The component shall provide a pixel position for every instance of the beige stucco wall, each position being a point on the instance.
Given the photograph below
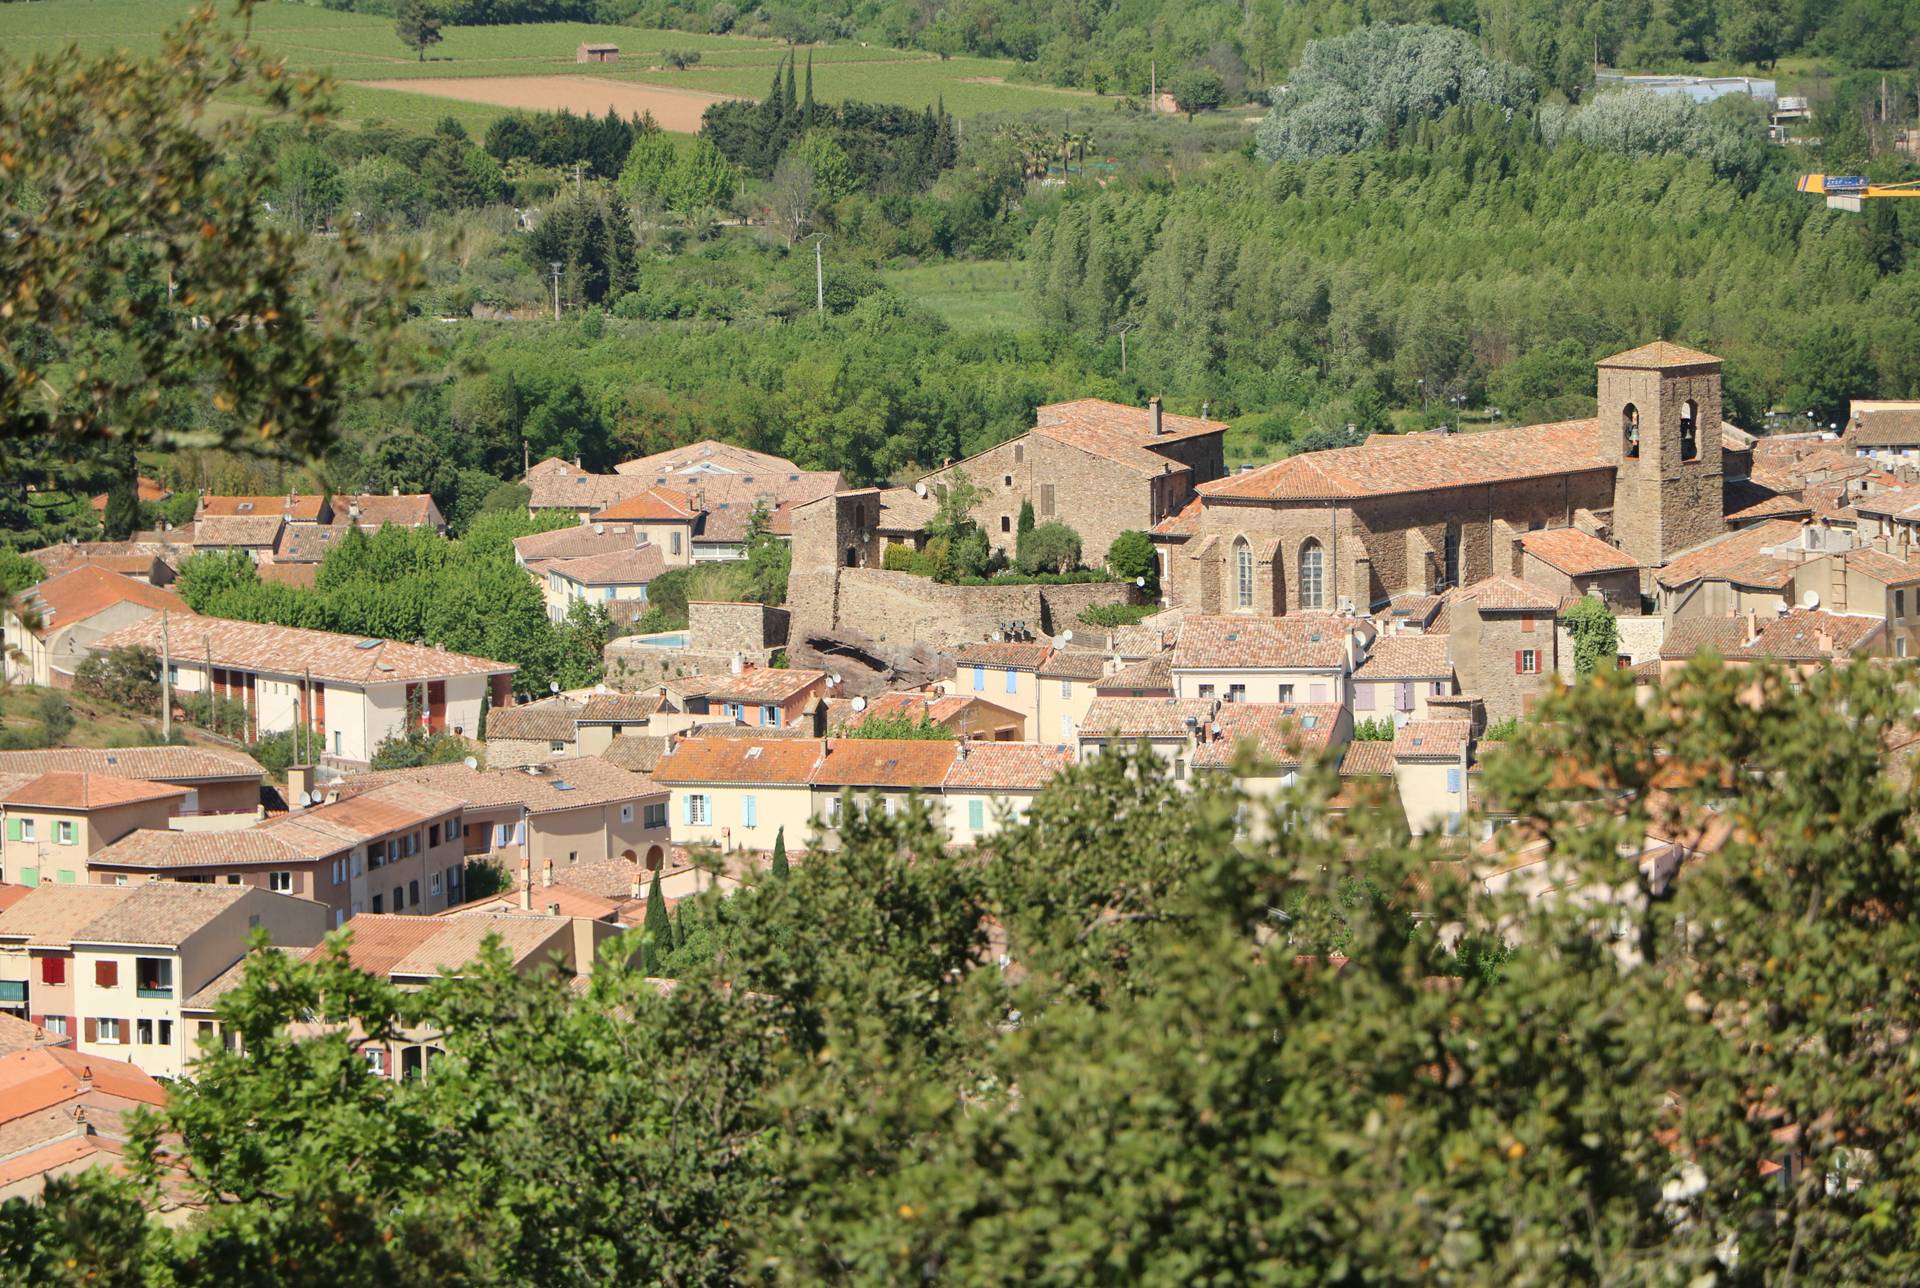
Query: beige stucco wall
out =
(1264, 685)
(44, 860)
(1062, 703)
(1424, 796)
(997, 809)
(776, 805)
(1023, 697)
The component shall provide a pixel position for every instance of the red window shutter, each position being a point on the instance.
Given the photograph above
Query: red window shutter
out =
(93, 1029)
(106, 974)
(1517, 655)
(38, 1021)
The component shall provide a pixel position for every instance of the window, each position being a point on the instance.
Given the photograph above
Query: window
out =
(1013, 682)
(1362, 696)
(455, 829)
(1900, 646)
(609, 593)
(153, 976)
(673, 542)
(653, 816)
(1006, 523)
(143, 1032)
(1242, 574)
(1046, 500)
(626, 813)
(53, 970)
(979, 678)
(1526, 661)
(433, 836)
(556, 745)
(107, 1031)
(1066, 688)
(173, 675)
(413, 893)
(1206, 691)
(376, 855)
(377, 1060)
(1689, 433)
(339, 918)
(833, 811)
(106, 974)
(749, 811)
(26, 829)
(1453, 780)
(1899, 603)
(166, 1032)
(56, 1026)
(500, 834)
(399, 899)
(1312, 575)
(770, 716)
(1019, 453)
(699, 810)
(377, 906)
(1006, 480)
(1236, 693)
(1630, 431)
(976, 815)
(280, 882)
(1451, 554)
(63, 832)
(339, 742)
(412, 844)
(356, 865)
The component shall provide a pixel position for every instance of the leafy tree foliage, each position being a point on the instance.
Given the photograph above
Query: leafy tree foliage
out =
(913, 728)
(1198, 89)
(1132, 556)
(1367, 88)
(126, 677)
(1596, 635)
(1373, 729)
(418, 26)
(1053, 546)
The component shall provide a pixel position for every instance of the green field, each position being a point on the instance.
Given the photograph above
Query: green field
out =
(972, 296)
(356, 47)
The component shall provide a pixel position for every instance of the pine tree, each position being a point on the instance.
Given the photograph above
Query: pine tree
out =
(806, 104)
(1026, 517)
(780, 855)
(659, 929)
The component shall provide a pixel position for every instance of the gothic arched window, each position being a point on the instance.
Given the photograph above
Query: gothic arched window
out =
(1689, 434)
(1313, 568)
(1242, 574)
(1630, 431)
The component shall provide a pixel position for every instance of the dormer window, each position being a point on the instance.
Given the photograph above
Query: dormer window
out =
(1689, 435)
(1630, 431)
(245, 507)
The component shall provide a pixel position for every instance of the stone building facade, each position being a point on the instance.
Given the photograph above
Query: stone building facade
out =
(1418, 513)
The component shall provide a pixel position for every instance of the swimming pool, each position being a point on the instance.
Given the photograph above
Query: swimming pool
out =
(675, 639)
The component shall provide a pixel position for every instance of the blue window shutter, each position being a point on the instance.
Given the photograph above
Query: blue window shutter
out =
(1013, 681)
(1453, 780)
(686, 809)
(749, 815)
(976, 815)
(979, 678)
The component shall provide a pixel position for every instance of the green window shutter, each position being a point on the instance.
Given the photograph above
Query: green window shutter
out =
(29, 876)
(976, 814)
(66, 876)
(13, 829)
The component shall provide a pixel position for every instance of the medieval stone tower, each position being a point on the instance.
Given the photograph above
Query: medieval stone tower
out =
(1659, 424)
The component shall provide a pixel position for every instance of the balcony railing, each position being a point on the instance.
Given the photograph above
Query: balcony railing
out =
(154, 990)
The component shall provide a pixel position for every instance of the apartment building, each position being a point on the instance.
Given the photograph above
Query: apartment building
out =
(397, 847)
(120, 961)
(57, 821)
(1305, 657)
(760, 697)
(1400, 674)
(355, 691)
(47, 631)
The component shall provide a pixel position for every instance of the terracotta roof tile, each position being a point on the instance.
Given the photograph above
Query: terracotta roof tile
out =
(49, 917)
(380, 940)
(1407, 657)
(1658, 356)
(573, 489)
(1007, 766)
(23, 1035)
(1688, 635)
(1737, 548)
(1812, 636)
(884, 762)
(262, 532)
(305, 576)
(638, 753)
(1119, 433)
(1888, 428)
(158, 849)
(308, 543)
(1149, 676)
(162, 913)
(619, 708)
(655, 505)
(1005, 655)
(1144, 717)
(64, 789)
(1302, 640)
(155, 764)
(1366, 759)
(546, 720)
(1882, 567)
(564, 785)
(738, 760)
(703, 458)
(1576, 553)
(1419, 463)
(292, 650)
(89, 589)
(1431, 740)
(377, 509)
(752, 685)
(305, 508)
(523, 935)
(147, 491)
(1074, 664)
(1281, 733)
(615, 568)
(579, 541)
(1182, 523)
(35, 1080)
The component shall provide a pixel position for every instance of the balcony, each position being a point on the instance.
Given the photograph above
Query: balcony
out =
(164, 991)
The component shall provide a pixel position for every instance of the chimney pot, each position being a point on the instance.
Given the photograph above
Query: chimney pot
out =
(546, 873)
(1159, 421)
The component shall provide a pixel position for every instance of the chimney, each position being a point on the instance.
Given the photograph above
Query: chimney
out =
(553, 910)
(576, 462)
(526, 884)
(1823, 640)
(546, 873)
(1753, 626)
(633, 887)
(353, 511)
(299, 787)
(1159, 422)
(395, 492)
(737, 663)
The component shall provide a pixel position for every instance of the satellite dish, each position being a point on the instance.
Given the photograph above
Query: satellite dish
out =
(1810, 600)
(919, 489)
(1141, 582)
(1066, 637)
(306, 799)
(859, 704)
(471, 763)
(553, 686)
(599, 688)
(837, 679)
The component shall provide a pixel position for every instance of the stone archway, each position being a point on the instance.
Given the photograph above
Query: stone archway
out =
(655, 857)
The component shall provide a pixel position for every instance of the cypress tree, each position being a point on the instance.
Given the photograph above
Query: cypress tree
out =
(789, 102)
(659, 930)
(1026, 517)
(780, 854)
(806, 104)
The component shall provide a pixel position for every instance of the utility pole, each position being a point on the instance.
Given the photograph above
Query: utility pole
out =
(555, 266)
(1153, 85)
(819, 280)
(1123, 328)
(166, 683)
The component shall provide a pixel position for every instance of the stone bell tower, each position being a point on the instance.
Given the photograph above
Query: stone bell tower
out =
(1659, 425)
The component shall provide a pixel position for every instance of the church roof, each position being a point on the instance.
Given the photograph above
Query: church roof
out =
(1658, 355)
(1418, 463)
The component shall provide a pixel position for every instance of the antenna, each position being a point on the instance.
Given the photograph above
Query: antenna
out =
(471, 763)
